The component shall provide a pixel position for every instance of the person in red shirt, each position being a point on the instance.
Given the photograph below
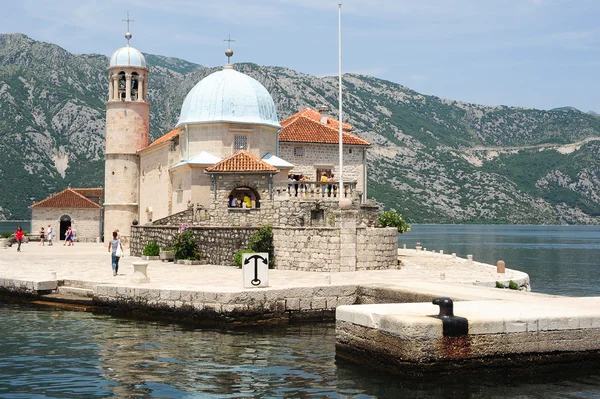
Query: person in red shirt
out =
(19, 236)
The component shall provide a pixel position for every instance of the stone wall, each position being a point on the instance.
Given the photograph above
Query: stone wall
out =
(217, 245)
(311, 249)
(334, 249)
(376, 248)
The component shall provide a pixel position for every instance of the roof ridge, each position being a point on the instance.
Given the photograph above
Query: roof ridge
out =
(241, 153)
(81, 195)
(295, 116)
(62, 192)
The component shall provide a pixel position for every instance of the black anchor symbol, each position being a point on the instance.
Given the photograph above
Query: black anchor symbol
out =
(255, 281)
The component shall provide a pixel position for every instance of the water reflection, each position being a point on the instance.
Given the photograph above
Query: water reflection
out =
(60, 354)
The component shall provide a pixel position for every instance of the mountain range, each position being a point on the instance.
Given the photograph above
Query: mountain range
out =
(434, 160)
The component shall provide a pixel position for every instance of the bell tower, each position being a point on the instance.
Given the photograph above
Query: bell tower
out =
(127, 132)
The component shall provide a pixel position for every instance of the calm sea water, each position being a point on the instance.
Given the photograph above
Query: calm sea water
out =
(60, 354)
(561, 260)
(10, 226)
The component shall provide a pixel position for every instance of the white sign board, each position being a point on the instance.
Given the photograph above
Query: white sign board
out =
(256, 270)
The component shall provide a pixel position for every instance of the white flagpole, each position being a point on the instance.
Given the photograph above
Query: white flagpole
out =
(341, 145)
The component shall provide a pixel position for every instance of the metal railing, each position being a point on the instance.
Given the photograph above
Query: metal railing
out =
(312, 190)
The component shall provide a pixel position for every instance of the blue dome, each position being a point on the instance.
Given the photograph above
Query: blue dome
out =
(229, 96)
(129, 57)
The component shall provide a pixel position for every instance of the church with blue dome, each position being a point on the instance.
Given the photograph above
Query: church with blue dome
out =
(229, 158)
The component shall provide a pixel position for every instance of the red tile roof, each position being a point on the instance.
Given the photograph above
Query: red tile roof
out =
(306, 130)
(89, 192)
(241, 161)
(163, 138)
(316, 116)
(68, 198)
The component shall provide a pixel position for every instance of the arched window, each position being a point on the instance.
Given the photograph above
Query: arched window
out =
(244, 197)
(122, 86)
(134, 86)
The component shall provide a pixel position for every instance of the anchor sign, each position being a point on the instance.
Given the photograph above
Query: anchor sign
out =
(256, 265)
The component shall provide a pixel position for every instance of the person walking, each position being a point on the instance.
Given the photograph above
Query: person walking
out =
(19, 236)
(112, 247)
(69, 237)
(42, 236)
(50, 234)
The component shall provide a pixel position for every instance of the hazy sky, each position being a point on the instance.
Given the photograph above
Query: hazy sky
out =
(532, 53)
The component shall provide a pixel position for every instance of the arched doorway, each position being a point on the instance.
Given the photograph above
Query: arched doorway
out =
(237, 195)
(65, 222)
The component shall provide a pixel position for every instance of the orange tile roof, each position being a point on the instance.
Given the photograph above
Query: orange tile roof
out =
(163, 138)
(89, 192)
(242, 161)
(67, 198)
(316, 116)
(306, 130)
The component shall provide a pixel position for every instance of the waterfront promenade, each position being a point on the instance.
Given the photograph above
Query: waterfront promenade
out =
(90, 263)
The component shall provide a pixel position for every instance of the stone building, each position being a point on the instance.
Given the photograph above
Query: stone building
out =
(79, 208)
(229, 165)
(228, 152)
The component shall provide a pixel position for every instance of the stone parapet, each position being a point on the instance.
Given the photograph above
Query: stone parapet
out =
(217, 245)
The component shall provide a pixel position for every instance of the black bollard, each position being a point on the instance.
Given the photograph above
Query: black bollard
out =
(453, 326)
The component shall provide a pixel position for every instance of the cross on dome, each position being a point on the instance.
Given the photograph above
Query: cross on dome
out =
(229, 51)
(128, 34)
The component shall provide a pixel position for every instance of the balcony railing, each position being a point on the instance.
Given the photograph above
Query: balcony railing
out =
(312, 190)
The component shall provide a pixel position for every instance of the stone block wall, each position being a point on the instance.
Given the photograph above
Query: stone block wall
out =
(311, 249)
(218, 245)
(376, 248)
(333, 249)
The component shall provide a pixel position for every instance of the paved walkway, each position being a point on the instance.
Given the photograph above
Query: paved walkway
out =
(90, 262)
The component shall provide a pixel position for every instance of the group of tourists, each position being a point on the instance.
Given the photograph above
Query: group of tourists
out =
(296, 183)
(46, 235)
(240, 201)
(49, 235)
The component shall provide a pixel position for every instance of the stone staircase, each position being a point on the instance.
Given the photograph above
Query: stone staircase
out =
(76, 295)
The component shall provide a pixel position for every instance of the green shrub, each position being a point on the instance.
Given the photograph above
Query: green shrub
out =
(512, 285)
(184, 244)
(151, 249)
(262, 241)
(500, 285)
(239, 256)
(393, 219)
(5, 235)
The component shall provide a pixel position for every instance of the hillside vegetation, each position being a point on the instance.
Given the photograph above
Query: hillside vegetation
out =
(433, 160)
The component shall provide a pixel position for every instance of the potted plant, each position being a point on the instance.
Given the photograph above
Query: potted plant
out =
(190, 204)
(166, 254)
(151, 251)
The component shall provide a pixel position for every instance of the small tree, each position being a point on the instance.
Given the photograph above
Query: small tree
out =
(394, 219)
(262, 241)
(184, 244)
